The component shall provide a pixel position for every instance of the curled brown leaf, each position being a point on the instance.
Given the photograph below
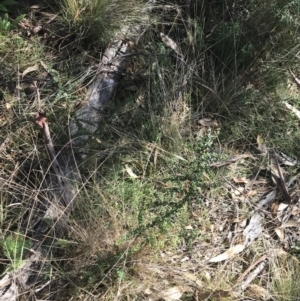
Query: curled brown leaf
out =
(40, 119)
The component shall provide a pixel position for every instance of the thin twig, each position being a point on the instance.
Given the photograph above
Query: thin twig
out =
(281, 183)
(41, 120)
(38, 96)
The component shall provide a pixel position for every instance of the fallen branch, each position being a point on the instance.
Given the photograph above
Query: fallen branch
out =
(254, 264)
(252, 276)
(28, 277)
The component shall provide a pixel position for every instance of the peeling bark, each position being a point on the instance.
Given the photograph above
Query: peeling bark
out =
(86, 120)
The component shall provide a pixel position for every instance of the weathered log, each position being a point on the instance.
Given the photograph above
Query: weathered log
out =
(84, 123)
(86, 119)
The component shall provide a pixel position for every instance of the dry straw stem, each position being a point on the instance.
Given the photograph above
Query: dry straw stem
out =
(284, 269)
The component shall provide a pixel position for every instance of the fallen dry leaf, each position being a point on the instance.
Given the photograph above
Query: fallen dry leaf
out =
(194, 278)
(249, 86)
(261, 144)
(148, 291)
(8, 106)
(243, 223)
(30, 69)
(280, 233)
(45, 66)
(292, 108)
(170, 43)
(238, 191)
(37, 29)
(274, 209)
(229, 253)
(280, 210)
(173, 293)
(285, 159)
(254, 182)
(186, 258)
(208, 122)
(240, 180)
(40, 119)
(279, 252)
(282, 206)
(130, 172)
(251, 193)
(290, 224)
(260, 292)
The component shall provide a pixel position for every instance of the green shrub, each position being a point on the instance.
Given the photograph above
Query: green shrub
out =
(7, 25)
(14, 247)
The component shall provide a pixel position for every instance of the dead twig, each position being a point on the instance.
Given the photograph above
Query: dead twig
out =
(41, 120)
(252, 276)
(255, 263)
(296, 79)
(281, 183)
(231, 160)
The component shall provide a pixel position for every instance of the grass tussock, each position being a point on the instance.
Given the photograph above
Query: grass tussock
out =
(96, 21)
(286, 278)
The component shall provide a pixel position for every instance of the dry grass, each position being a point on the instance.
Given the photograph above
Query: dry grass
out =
(97, 21)
(151, 211)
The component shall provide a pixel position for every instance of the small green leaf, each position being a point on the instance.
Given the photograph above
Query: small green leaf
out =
(17, 20)
(64, 243)
(2, 7)
(14, 247)
(4, 24)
